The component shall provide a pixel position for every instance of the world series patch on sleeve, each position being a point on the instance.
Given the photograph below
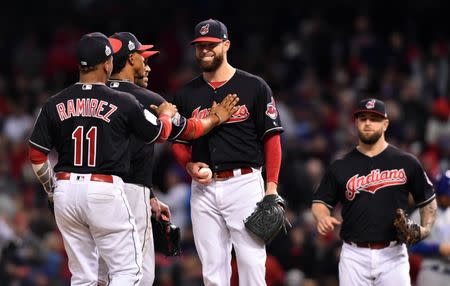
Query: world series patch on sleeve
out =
(166, 236)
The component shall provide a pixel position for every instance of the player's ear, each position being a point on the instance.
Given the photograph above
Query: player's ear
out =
(385, 124)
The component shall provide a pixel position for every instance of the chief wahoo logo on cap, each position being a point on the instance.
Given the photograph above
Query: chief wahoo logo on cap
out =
(370, 104)
(204, 30)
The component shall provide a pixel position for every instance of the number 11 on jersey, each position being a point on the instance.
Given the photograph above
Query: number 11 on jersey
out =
(91, 137)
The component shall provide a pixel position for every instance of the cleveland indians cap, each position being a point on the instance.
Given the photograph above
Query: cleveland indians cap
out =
(210, 31)
(95, 48)
(371, 105)
(130, 44)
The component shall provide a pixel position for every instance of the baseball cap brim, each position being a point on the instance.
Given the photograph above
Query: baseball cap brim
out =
(145, 47)
(115, 44)
(147, 54)
(369, 111)
(206, 39)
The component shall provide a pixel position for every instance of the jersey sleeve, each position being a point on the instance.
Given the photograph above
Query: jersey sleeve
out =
(267, 117)
(179, 123)
(327, 191)
(143, 123)
(41, 138)
(421, 187)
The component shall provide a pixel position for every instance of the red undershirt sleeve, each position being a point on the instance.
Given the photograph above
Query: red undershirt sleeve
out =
(272, 153)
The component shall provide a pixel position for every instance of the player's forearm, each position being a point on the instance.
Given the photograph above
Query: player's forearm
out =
(427, 218)
(196, 128)
(166, 121)
(44, 174)
(272, 155)
(319, 211)
(209, 122)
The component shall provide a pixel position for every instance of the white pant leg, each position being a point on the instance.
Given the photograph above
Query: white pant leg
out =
(392, 265)
(211, 235)
(78, 241)
(382, 267)
(139, 200)
(240, 195)
(114, 230)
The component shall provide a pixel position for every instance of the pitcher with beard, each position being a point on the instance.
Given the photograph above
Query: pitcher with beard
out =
(371, 182)
(236, 152)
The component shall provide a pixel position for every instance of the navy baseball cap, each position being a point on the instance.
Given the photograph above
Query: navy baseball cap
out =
(130, 44)
(210, 31)
(95, 48)
(371, 105)
(443, 184)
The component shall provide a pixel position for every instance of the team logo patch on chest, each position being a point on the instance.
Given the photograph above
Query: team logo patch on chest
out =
(374, 181)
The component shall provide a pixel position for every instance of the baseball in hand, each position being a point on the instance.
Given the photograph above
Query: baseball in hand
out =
(205, 170)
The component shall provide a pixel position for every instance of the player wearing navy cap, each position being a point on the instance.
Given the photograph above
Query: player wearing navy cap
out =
(371, 182)
(235, 152)
(89, 124)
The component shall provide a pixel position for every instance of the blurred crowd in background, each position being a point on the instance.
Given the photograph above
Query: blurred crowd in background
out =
(319, 63)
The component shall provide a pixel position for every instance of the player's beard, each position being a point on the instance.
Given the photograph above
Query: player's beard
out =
(370, 139)
(210, 66)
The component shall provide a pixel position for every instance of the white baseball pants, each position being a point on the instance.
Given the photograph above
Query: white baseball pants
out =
(218, 211)
(95, 219)
(139, 200)
(360, 266)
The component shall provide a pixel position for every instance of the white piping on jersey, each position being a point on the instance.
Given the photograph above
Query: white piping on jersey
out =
(91, 83)
(271, 129)
(182, 141)
(159, 132)
(426, 201)
(322, 202)
(37, 145)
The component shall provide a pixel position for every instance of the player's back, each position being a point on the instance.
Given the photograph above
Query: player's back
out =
(89, 126)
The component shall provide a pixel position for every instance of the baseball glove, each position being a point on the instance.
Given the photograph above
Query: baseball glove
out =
(268, 218)
(408, 231)
(166, 236)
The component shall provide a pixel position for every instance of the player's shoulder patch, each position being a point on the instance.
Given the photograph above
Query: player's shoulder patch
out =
(271, 109)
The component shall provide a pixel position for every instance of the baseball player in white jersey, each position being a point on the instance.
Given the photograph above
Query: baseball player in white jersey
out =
(435, 249)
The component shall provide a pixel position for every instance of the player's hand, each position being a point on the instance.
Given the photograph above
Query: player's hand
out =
(444, 249)
(155, 206)
(193, 170)
(326, 224)
(165, 108)
(226, 108)
(165, 210)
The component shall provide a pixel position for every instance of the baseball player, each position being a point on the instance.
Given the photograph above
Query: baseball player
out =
(89, 125)
(235, 152)
(371, 182)
(131, 67)
(435, 249)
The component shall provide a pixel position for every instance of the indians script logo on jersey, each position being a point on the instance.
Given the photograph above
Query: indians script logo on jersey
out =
(240, 115)
(271, 110)
(204, 29)
(374, 181)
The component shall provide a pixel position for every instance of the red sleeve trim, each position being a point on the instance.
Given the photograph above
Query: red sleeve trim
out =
(167, 127)
(194, 126)
(182, 153)
(272, 153)
(36, 156)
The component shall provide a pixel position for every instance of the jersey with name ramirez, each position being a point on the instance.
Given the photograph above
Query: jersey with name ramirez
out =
(141, 167)
(89, 126)
(239, 141)
(370, 189)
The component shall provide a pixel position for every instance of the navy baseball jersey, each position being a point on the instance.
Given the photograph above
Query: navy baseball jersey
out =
(97, 121)
(141, 167)
(370, 189)
(238, 142)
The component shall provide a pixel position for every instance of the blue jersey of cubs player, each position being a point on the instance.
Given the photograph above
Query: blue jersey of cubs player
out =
(238, 142)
